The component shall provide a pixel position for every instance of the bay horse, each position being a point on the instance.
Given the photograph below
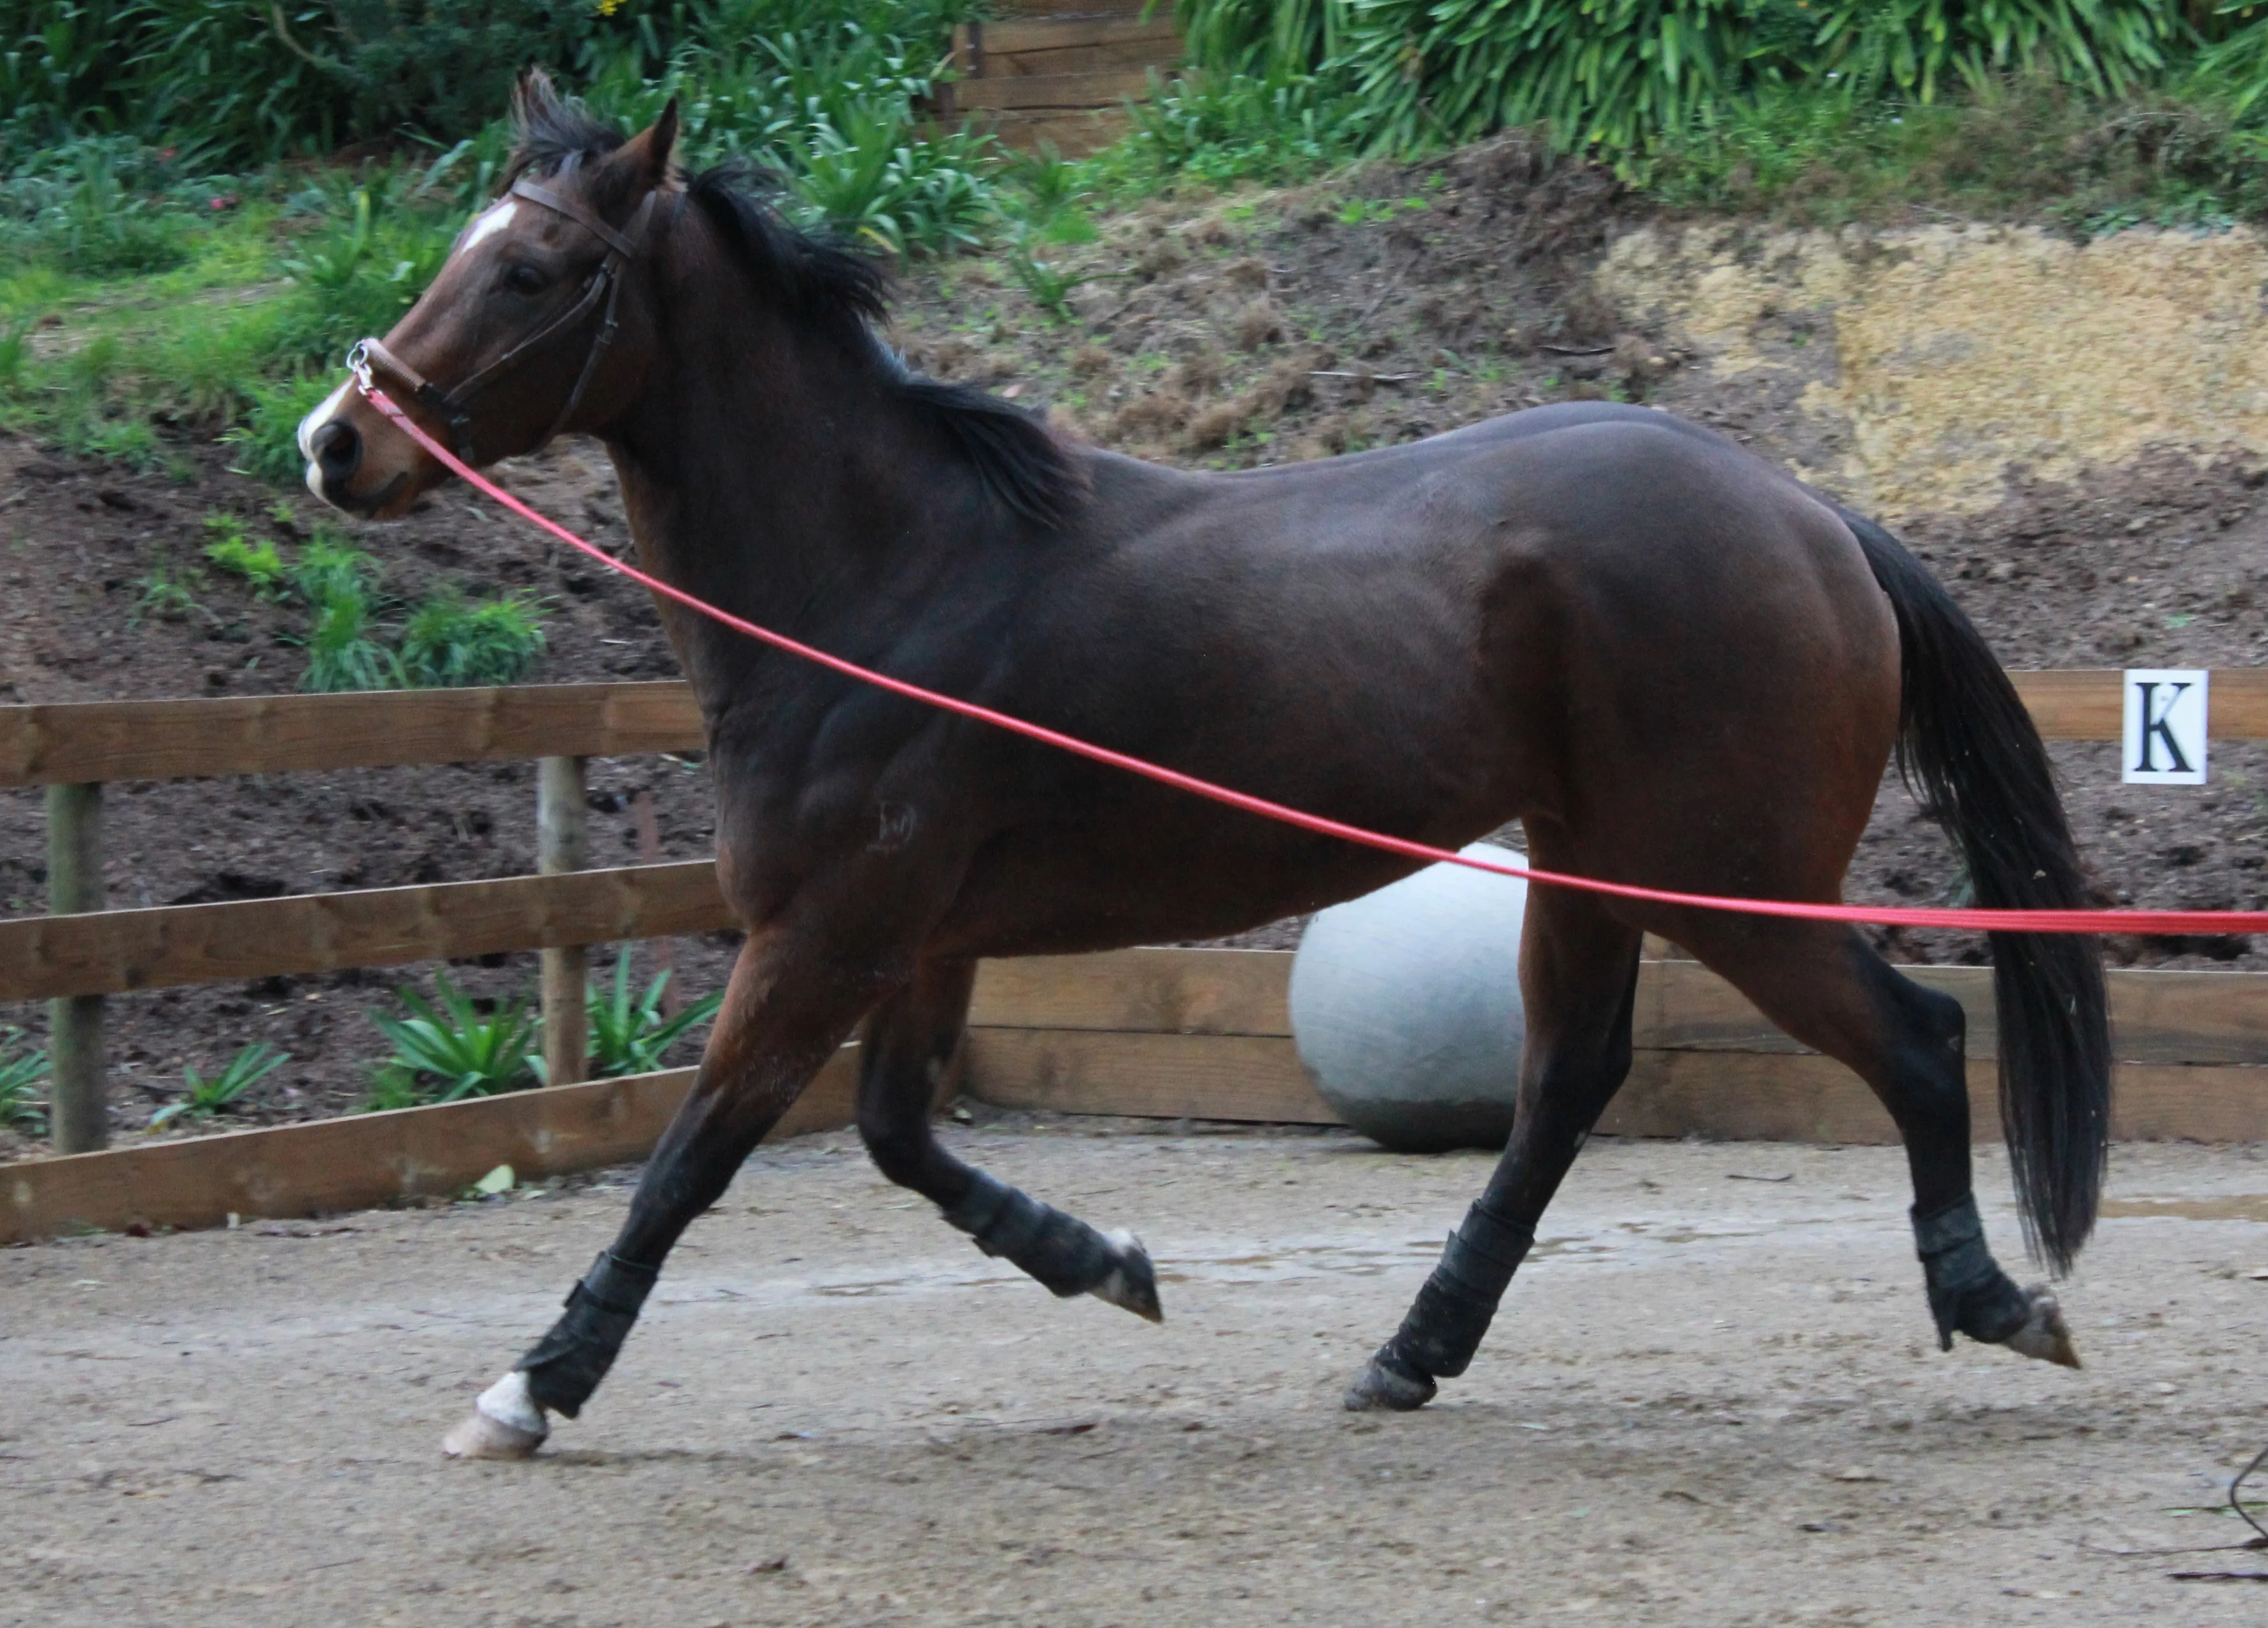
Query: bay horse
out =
(1674, 664)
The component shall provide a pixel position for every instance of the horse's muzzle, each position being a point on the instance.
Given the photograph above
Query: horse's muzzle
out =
(338, 449)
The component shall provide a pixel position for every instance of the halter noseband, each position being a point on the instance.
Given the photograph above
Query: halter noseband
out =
(452, 405)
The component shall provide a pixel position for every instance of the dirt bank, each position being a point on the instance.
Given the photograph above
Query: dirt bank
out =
(1709, 1402)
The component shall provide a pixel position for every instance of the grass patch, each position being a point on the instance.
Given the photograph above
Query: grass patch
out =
(450, 641)
(2031, 148)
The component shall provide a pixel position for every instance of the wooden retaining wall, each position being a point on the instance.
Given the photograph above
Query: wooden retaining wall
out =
(1061, 71)
(1164, 1033)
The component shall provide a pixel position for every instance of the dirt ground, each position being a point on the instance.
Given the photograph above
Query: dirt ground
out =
(1359, 311)
(1713, 1399)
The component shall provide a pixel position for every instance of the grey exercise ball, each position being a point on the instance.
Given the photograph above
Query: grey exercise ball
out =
(1405, 1006)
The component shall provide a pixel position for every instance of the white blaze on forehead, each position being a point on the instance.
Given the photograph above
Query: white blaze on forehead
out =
(496, 220)
(320, 416)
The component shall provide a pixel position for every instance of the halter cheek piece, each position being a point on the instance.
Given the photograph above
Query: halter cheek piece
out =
(453, 406)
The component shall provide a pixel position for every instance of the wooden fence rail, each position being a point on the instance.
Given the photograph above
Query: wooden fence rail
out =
(80, 953)
(87, 742)
(1164, 1033)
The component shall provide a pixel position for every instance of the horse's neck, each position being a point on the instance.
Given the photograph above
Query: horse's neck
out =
(779, 482)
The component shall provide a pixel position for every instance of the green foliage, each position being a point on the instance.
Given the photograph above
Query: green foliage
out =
(1618, 75)
(1216, 128)
(340, 653)
(257, 562)
(204, 1097)
(2236, 67)
(864, 177)
(445, 1053)
(450, 641)
(330, 569)
(163, 597)
(1921, 47)
(827, 95)
(340, 583)
(1050, 285)
(628, 1033)
(21, 1104)
(2030, 148)
(267, 440)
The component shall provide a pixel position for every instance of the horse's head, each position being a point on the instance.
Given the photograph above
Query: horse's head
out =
(534, 326)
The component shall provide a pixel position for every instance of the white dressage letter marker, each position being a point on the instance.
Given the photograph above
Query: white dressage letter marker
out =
(2165, 726)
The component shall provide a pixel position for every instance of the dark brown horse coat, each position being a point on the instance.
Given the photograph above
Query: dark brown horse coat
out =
(1675, 664)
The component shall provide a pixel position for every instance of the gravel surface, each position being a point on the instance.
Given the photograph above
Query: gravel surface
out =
(1710, 1401)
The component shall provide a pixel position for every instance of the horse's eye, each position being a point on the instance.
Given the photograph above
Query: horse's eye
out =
(524, 279)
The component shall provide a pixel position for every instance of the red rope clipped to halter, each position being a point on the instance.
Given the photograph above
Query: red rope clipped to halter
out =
(1979, 920)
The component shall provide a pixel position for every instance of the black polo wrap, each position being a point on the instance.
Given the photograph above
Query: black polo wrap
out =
(1454, 1309)
(1969, 1293)
(566, 1364)
(1061, 1251)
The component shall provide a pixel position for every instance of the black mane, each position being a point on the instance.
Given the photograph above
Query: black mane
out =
(826, 286)
(552, 134)
(843, 293)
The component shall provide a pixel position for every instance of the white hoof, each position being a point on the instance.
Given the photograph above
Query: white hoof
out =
(506, 1423)
(2044, 1333)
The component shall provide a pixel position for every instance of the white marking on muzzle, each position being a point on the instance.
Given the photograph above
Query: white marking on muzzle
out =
(316, 420)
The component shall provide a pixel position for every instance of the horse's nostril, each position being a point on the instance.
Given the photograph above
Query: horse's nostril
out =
(338, 450)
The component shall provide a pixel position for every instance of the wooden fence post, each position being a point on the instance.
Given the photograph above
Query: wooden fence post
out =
(563, 845)
(78, 1102)
(663, 951)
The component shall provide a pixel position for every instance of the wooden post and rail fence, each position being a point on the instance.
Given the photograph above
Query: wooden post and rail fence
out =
(1199, 1033)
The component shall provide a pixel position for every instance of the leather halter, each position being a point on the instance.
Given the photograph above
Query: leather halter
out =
(452, 405)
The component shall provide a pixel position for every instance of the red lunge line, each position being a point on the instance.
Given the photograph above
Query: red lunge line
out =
(1988, 921)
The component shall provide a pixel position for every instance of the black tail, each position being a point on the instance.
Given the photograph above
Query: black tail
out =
(1970, 755)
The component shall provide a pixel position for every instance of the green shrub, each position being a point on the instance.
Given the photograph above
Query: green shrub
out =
(450, 641)
(628, 1034)
(203, 1098)
(1616, 75)
(1219, 128)
(455, 1050)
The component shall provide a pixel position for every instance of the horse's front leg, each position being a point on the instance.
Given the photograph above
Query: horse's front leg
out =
(792, 998)
(907, 1051)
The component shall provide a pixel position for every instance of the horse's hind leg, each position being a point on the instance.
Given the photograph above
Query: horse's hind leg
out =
(1578, 977)
(1825, 985)
(788, 1006)
(907, 1050)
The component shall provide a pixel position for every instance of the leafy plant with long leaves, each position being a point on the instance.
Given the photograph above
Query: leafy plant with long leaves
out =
(203, 1097)
(449, 1049)
(21, 1104)
(630, 1032)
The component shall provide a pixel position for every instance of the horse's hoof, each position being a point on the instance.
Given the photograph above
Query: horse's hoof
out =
(2044, 1333)
(506, 1423)
(1132, 1283)
(1392, 1389)
(478, 1436)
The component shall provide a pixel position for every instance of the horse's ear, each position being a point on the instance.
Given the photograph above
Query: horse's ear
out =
(640, 165)
(659, 143)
